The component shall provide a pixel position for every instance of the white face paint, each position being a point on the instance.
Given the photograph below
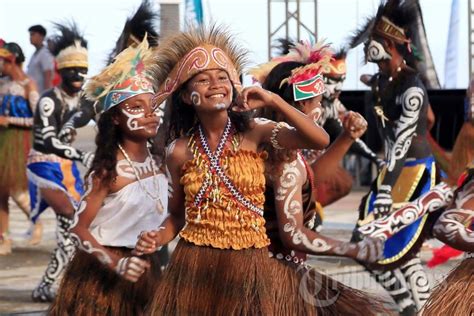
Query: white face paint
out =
(316, 114)
(220, 106)
(376, 52)
(132, 116)
(195, 98)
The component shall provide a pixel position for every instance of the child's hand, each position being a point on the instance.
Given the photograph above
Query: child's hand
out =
(131, 268)
(148, 242)
(252, 98)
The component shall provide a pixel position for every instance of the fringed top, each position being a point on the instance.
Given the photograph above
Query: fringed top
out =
(221, 221)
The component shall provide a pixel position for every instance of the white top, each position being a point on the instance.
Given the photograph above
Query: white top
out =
(129, 211)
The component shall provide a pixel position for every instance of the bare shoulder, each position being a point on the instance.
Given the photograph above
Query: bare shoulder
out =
(177, 152)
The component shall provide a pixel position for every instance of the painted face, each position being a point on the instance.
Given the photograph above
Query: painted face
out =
(137, 116)
(209, 90)
(375, 52)
(333, 86)
(313, 108)
(73, 78)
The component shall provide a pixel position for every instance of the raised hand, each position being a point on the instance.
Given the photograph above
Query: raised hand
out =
(354, 124)
(252, 98)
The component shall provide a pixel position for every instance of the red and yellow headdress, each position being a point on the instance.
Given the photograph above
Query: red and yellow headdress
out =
(182, 56)
(307, 80)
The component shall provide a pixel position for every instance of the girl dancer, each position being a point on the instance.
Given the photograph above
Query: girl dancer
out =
(220, 265)
(290, 195)
(126, 194)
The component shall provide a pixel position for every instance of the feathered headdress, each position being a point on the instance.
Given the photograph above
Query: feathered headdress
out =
(69, 47)
(141, 23)
(393, 21)
(307, 80)
(182, 56)
(126, 77)
(337, 66)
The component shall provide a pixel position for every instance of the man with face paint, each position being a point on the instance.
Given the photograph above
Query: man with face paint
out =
(134, 30)
(401, 109)
(54, 178)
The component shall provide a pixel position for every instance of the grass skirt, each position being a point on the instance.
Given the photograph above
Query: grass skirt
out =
(317, 293)
(15, 144)
(90, 288)
(455, 295)
(202, 280)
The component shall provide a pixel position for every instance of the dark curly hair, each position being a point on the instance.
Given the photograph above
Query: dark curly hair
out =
(273, 83)
(108, 137)
(184, 120)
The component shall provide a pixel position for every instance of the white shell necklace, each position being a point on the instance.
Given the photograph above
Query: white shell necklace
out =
(159, 204)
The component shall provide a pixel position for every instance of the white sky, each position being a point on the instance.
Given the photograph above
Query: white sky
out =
(102, 21)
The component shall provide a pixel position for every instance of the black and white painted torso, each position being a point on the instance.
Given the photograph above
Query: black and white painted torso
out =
(401, 111)
(54, 108)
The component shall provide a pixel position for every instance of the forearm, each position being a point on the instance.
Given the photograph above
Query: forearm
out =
(332, 157)
(385, 227)
(170, 228)
(360, 148)
(55, 146)
(86, 242)
(452, 229)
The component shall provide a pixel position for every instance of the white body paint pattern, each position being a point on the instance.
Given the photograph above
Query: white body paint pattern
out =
(417, 279)
(316, 114)
(68, 151)
(85, 245)
(286, 191)
(383, 228)
(132, 122)
(262, 121)
(411, 101)
(195, 98)
(124, 169)
(376, 52)
(452, 225)
(46, 107)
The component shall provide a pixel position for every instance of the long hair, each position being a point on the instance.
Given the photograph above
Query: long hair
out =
(184, 120)
(108, 137)
(285, 91)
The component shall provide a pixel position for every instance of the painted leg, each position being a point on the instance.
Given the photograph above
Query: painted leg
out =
(59, 259)
(417, 280)
(395, 286)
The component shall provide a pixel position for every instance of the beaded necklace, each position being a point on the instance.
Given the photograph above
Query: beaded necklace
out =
(159, 204)
(215, 176)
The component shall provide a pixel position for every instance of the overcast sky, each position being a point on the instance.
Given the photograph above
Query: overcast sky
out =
(102, 21)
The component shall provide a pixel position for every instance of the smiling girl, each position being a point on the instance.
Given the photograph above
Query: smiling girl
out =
(217, 178)
(126, 194)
